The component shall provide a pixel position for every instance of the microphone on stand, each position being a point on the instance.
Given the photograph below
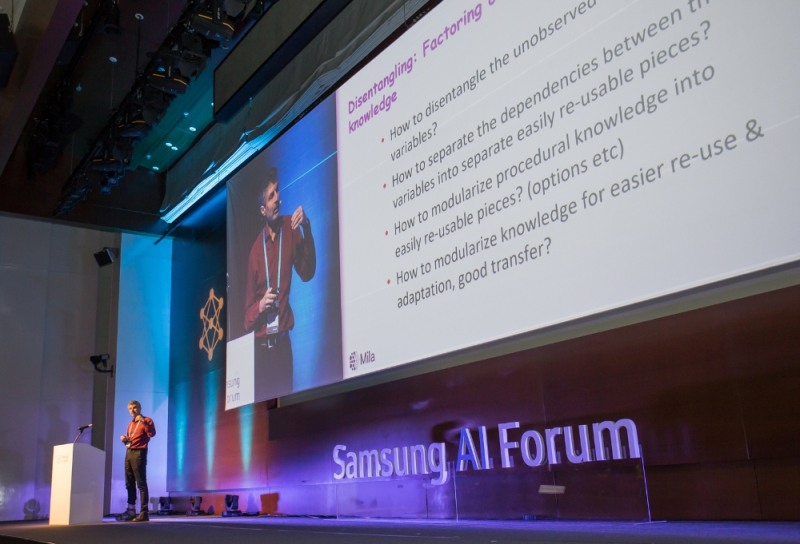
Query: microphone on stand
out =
(80, 431)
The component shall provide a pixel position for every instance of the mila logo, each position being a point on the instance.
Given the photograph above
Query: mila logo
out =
(353, 360)
(366, 358)
(357, 359)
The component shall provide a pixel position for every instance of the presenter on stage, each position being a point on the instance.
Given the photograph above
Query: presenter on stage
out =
(140, 430)
(284, 243)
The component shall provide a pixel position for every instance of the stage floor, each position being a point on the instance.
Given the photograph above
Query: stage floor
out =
(292, 530)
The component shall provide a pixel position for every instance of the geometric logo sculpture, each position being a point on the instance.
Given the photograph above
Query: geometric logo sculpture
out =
(212, 330)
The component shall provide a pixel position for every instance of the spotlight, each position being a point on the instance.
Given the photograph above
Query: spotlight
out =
(133, 125)
(107, 164)
(194, 51)
(110, 179)
(231, 506)
(169, 81)
(114, 158)
(152, 102)
(196, 501)
(165, 506)
(111, 13)
(166, 76)
(213, 22)
(105, 257)
(101, 361)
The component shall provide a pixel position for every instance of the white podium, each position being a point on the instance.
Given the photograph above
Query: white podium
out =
(76, 492)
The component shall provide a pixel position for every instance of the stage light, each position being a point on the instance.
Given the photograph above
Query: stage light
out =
(196, 501)
(231, 506)
(133, 125)
(111, 14)
(115, 156)
(99, 359)
(194, 52)
(100, 363)
(165, 506)
(152, 102)
(109, 180)
(213, 23)
(167, 77)
(106, 164)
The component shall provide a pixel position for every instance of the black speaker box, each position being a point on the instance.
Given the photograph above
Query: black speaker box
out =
(8, 50)
(105, 256)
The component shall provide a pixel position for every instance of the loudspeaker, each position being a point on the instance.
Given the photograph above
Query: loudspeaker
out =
(8, 50)
(105, 256)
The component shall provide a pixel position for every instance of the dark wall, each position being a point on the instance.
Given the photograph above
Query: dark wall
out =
(713, 394)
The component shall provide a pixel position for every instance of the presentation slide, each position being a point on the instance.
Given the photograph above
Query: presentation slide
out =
(510, 165)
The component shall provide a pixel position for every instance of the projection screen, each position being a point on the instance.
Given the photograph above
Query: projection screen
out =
(510, 165)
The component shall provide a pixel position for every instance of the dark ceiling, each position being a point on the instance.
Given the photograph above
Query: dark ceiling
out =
(104, 96)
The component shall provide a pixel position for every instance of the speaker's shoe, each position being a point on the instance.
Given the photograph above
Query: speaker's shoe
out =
(143, 516)
(127, 515)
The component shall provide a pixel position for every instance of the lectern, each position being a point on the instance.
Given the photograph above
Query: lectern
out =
(76, 492)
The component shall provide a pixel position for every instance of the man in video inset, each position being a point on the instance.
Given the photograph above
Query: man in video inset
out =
(285, 242)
